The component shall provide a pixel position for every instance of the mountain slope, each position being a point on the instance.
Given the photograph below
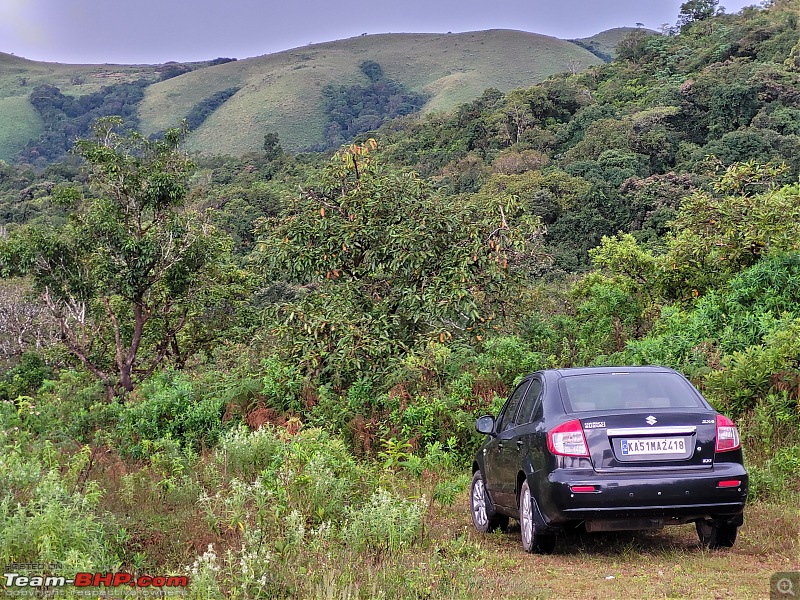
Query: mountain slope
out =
(19, 121)
(281, 92)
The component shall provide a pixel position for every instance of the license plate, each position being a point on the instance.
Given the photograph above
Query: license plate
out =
(653, 446)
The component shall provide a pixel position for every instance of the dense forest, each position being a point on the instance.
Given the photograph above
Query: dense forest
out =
(279, 358)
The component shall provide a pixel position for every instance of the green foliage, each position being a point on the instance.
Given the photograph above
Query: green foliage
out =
(44, 515)
(509, 358)
(25, 377)
(374, 283)
(244, 454)
(123, 271)
(777, 479)
(696, 10)
(169, 405)
(203, 109)
(73, 407)
(67, 118)
(379, 310)
(384, 524)
(357, 109)
(738, 341)
(717, 235)
(172, 69)
(272, 146)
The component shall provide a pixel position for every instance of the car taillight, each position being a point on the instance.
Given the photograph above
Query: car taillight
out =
(727, 434)
(567, 439)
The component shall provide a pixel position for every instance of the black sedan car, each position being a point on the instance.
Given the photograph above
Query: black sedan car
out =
(609, 448)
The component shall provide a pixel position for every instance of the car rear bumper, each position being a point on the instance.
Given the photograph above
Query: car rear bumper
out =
(676, 496)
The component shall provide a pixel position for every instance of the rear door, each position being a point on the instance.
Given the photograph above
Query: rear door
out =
(516, 441)
(502, 451)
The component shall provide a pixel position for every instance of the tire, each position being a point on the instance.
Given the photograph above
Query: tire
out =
(716, 534)
(484, 517)
(532, 540)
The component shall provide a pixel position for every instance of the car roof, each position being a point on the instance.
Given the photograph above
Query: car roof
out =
(606, 370)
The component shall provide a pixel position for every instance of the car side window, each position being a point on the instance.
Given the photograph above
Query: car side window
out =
(531, 405)
(507, 419)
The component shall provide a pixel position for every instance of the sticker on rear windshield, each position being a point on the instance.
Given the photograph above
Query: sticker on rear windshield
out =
(594, 424)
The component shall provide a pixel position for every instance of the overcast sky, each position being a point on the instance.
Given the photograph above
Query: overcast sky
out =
(157, 31)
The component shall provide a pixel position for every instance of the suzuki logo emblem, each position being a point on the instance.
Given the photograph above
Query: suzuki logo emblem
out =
(651, 420)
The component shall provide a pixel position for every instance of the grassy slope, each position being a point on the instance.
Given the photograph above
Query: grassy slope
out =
(281, 92)
(19, 122)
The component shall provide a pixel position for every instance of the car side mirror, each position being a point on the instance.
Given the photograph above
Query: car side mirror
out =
(485, 425)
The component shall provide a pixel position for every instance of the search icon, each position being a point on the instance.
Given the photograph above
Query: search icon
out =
(785, 586)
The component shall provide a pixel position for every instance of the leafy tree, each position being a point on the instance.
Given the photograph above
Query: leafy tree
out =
(358, 109)
(67, 118)
(696, 10)
(716, 235)
(272, 146)
(121, 275)
(383, 263)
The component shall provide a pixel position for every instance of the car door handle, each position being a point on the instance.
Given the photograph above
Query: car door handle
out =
(519, 444)
(499, 445)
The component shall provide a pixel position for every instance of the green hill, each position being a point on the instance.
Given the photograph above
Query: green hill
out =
(19, 121)
(281, 92)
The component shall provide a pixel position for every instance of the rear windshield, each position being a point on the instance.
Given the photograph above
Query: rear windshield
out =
(616, 391)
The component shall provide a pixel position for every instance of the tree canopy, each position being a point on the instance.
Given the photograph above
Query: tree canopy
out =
(120, 275)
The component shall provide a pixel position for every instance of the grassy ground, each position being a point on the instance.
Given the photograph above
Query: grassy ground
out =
(454, 561)
(660, 564)
(19, 123)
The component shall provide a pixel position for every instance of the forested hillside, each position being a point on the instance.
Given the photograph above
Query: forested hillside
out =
(231, 105)
(278, 358)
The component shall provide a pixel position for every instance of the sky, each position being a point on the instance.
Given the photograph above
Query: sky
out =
(158, 31)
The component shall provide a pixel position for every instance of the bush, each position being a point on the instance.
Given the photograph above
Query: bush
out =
(25, 377)
(778, 478)
(386, 524)
(311, 472)
(510, 359)
(43, 515)
(169, 406)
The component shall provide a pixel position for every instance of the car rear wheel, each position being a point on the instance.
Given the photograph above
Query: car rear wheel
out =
(532, 540)
(716, 534)
(484, 516)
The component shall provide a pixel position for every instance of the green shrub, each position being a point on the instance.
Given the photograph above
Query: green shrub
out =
(311, 472)
(25, 377)
(71, 407)
(509, 358)
(778, 478)
(169, 406)
(49, 522)
(244, 454)
(385, 524)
